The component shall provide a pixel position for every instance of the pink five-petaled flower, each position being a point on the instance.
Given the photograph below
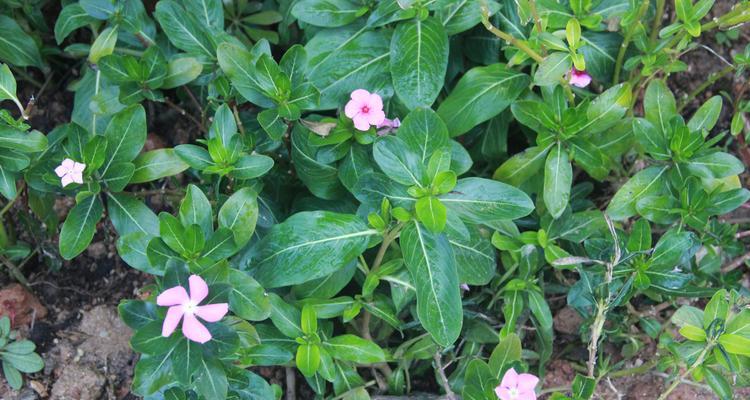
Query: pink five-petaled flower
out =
(579, 78)
(517, 387)
(182, 306)
(365, 109)
(70, 171)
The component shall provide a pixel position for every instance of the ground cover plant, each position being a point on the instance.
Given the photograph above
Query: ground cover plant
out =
(387, 197)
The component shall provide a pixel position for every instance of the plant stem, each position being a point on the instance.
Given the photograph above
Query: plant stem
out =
(626, 43)
(705, 85)
(15, 272)
(443, 379)
(633, 371)
(507, 37)
(682, 376)
(596, 333)
(657, 21)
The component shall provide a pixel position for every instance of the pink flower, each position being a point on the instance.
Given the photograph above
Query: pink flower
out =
(365, 109)
(465, 287)
(517, 387)
(387, 126)
(70, 171)
(181, 305)
(579, 78)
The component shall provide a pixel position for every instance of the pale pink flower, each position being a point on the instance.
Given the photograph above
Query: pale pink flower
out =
(517, 387)
(465, 287)
(365, 109)
(70, 171)
(579, 78)
(182, 306)
(388, 125)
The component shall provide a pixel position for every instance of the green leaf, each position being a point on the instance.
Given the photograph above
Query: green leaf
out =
(136, 313)
(479, 381)
(430, 262)
(252, 166)
(156, 164)
(327, 13)
(129, 215)
(310, 245)
(431, 213)
(355, 349)
(607, 109)
(126, 135)
(461, 15)
(552, 69)
(706, 116)
(715, 165)
(672, 247)
(7, 84)
(659, 105)
(640, 236)
(211, 380)
(31, 142)
(398, 161)
(28, 363)
(522, 166)
(423, 133)
(12, 376)
(104, 44)
(506, 352)
(343, 60)
(72, 17)
(693, 333)
(182, 29)
(285, 317)
(651, 139)
(480, 94)
(209, 13)
(649, 181)
(195, 209)
(321, 179)
(181, 70)
(482, 200)
(718, 383)
(240, 214)
(16, 46)
(308, 359)
(8, 183)
(99, 9)
(735, 344)
(419, 58)
(558, 178)
(80, 225)
(248, 299)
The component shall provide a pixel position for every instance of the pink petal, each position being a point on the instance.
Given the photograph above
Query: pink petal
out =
(527, 382)
(61, 171)
(174, 314)
(396, 123)
(173, 297)
(375, 102)
(79, 167)
(68, 164)
(503, 393)
(212, 312)
(198, 289)
(66, 180)
(465, 287)
(527, 395)
(361, 95)
(194, 330)
(353, 107)
(360, 122)
(77, 177)
(510, 379)
(579, 78)
(375, 117)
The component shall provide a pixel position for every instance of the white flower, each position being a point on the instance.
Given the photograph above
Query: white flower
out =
(70, 171)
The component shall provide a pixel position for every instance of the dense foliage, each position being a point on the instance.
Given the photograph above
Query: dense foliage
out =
(385, 193)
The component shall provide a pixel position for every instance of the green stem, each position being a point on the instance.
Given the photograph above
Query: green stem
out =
(633, 371)
(705, 85)
(682, 376)
(15, 272)
(626, 43)
(519, 44)
(657, 21)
